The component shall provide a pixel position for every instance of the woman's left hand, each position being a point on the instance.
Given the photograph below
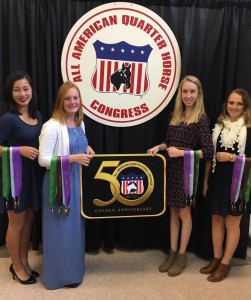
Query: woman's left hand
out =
(29, 152)
(222, 156)
(174, 152)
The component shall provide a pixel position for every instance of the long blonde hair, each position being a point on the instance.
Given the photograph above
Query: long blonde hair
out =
(246, 107)
(197, 110)
(59, 112)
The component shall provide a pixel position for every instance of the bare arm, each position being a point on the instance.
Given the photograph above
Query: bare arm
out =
(157, 148)
(206, 176)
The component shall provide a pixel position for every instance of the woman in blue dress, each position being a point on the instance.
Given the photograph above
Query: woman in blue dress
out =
(64, 233)
(20, 127)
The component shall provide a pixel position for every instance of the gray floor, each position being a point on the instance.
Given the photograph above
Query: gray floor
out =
(132, 276)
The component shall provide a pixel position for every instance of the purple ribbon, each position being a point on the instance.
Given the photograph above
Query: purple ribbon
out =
(237, 178)
(66, 180)
(188, 172)
(16, 170)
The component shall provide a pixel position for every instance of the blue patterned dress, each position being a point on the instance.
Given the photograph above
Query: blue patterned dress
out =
(64, 236)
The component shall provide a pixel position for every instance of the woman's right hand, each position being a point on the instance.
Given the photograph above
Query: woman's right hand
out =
(154, 150)
(29, 152)
(207, 171)
(204, 190)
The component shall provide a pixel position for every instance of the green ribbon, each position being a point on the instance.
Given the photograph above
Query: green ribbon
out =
(247, 187)
(196, 171)
(59, 185)
(5, 173)
(53, 181)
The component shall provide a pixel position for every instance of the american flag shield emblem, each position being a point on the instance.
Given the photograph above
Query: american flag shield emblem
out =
(132, 184)
(121, 68)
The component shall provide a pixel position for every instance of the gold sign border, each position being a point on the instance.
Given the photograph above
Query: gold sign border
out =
(132, 216)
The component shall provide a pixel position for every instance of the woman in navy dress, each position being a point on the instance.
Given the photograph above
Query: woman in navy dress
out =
(20, 126)
(188, 128)
(64, 234)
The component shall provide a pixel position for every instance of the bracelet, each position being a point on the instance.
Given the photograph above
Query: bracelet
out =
(231, 158)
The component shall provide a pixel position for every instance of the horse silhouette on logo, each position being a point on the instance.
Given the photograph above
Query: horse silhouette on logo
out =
(122, 76)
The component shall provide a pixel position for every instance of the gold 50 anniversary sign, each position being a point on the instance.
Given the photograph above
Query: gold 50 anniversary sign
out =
(124, 186)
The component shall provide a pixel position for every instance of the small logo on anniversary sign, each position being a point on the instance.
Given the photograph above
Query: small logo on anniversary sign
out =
(132, 184)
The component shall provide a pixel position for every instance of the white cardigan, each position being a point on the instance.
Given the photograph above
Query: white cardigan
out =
(53, 140)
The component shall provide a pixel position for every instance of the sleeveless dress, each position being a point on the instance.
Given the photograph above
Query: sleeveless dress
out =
(64, 236)
(18, 133)
(217, 202)
(219, 185)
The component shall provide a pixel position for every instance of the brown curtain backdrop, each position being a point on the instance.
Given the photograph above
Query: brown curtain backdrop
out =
(214, 37)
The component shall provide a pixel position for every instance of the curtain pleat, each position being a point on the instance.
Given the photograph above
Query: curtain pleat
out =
(215, 41)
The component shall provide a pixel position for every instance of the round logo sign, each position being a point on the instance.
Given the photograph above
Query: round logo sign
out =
(126, 62)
